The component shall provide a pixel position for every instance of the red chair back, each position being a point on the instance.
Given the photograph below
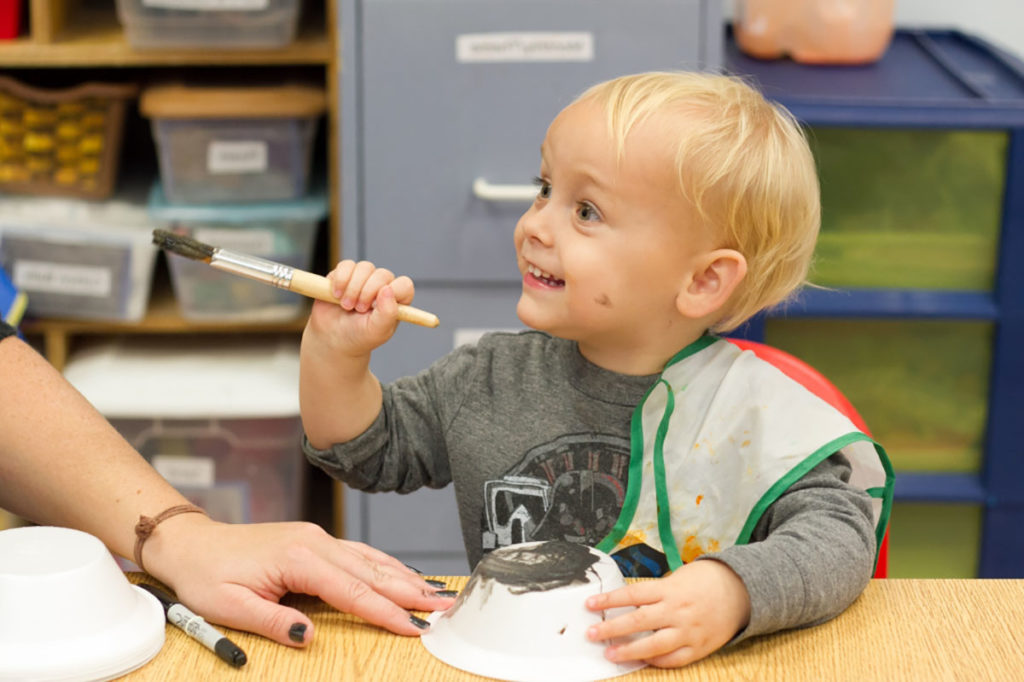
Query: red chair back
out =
(815, 382)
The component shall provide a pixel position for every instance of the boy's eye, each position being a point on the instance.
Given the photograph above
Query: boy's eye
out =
(587, 212)
(543, 188)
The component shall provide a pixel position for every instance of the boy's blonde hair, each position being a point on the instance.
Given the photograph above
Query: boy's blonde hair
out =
(744, 165)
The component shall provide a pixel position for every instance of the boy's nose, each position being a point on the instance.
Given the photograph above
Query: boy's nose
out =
(535, 225)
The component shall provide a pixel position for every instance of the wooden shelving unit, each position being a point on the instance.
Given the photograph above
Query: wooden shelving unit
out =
(66, 33)
(161, 318)
(73, 35)
(78, 39)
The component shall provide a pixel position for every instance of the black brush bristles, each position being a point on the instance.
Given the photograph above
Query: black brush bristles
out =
(183, 246)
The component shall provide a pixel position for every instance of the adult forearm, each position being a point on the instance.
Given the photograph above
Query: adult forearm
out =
(62, 463)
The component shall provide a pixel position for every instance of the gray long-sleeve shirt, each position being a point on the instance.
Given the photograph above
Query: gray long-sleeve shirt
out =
(535, 440)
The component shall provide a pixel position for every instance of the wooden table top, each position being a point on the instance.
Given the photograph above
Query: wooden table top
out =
(928, 630)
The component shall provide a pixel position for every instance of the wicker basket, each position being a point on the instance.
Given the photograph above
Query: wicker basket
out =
(63, 142)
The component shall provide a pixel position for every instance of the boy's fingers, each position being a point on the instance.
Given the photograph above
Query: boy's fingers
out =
(339, 277)
(636, 620)
(378, 279)
(404, 289)
(630, 595)
(360, 274)
(657, 645)
(676, 659)
(386, 311)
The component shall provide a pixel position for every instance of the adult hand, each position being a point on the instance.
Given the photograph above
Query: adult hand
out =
(235, 574)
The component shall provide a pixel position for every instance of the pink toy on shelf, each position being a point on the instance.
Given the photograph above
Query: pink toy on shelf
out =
(814, 31)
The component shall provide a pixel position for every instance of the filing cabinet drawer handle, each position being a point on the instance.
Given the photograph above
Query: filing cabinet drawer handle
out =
(488, 192)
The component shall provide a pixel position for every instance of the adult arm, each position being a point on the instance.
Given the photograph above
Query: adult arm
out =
(62, 463)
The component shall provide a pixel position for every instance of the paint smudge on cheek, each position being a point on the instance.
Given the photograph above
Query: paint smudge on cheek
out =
(603, 300)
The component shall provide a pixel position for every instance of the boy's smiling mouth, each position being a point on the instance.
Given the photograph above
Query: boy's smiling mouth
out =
(544, 277)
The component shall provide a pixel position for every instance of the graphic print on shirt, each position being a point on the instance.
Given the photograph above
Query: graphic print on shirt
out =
(568, 489)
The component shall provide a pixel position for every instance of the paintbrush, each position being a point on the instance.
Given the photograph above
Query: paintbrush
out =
(266, 271)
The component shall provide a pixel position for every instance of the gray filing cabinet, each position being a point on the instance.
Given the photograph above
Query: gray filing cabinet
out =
(444, 106)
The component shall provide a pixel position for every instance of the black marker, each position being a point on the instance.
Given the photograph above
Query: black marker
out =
(198, 629)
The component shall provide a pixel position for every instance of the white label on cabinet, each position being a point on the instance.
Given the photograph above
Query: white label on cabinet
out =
(185, 471)
(470, 335)
(545, 46)
(209, 5)
(254, 242)
(60, 278)
(236, 156)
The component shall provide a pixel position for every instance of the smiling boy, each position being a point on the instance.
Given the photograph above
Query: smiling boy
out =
(670, 207)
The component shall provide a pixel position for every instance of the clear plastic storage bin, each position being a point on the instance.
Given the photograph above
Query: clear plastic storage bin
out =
(234, 144)
(209, 24)
(922, 386)
(218, 418)
(284, 232)
(79, 259)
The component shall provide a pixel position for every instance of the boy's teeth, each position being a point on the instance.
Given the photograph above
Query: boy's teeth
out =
(537, 272)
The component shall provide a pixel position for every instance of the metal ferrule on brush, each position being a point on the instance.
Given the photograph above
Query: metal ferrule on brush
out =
(255, 268)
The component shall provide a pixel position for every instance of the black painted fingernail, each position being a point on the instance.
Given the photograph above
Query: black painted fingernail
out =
(419, 622)
(447, 593)
(297, 632)
(437, 583)
(414, 569)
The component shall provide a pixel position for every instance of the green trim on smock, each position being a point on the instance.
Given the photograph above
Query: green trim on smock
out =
(636, 451)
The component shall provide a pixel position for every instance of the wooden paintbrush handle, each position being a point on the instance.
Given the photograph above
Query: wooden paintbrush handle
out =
(319, 287)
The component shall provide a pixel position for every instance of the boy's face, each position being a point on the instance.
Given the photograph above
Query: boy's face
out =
(607, 245)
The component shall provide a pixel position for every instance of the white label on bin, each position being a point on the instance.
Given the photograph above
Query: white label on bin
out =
(236, 156)
(209, 5)
(254, 242)
(185, 471)
(542, 46)
(60, 278)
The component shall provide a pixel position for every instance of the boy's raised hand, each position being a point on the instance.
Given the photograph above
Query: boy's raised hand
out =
(338, 395)
(367, 313)
(689, 613)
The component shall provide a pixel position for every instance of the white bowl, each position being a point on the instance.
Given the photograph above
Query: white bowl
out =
(67, 612)
(522, 615)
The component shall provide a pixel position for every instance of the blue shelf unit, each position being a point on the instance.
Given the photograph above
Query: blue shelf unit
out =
(938, 80)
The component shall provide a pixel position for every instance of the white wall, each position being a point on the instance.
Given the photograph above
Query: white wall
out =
(1001, 22)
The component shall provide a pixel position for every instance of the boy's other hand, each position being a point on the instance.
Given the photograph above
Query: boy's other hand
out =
(690, 613)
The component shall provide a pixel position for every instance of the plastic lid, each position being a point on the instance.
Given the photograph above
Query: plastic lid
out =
(67, 612)
(312, 207)
(182, 101)
(63, 219)
(189, 377)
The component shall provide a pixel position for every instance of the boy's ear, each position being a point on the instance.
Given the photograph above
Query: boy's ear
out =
(711, 283)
